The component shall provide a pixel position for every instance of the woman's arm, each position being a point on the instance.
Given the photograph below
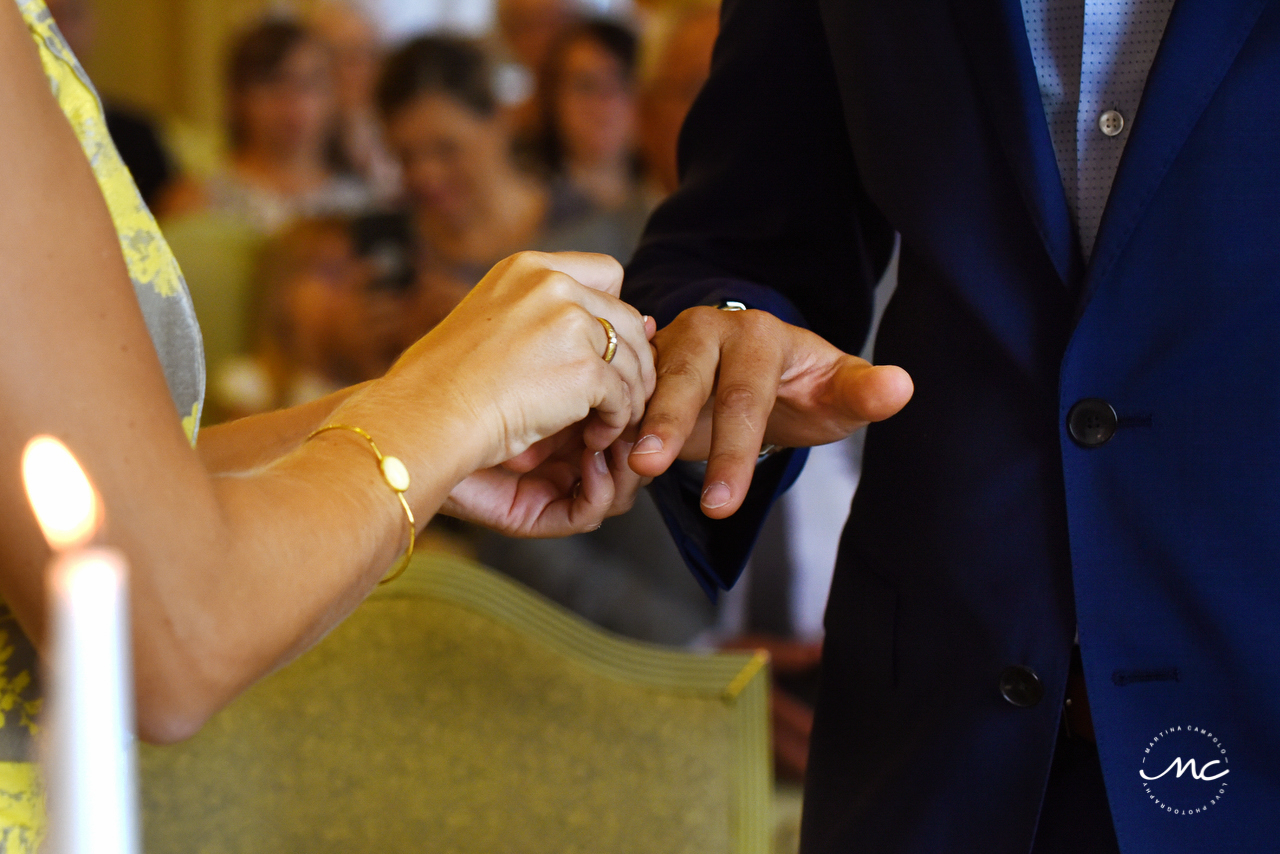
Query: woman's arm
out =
(250, 443)
(234, 573)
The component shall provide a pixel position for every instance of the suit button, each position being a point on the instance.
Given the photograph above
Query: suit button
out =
(1091, 422)
(1020, 686)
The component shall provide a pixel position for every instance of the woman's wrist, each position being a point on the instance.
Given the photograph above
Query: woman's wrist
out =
(431, 433)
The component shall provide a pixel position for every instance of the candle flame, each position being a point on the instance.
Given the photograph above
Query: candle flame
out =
(65, 503)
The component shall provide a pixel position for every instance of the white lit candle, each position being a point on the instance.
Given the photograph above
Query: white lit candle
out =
(88, 723)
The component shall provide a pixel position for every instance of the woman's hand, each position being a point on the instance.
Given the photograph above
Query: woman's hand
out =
(521, 357)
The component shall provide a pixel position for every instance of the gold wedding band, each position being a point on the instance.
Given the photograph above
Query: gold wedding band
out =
(611, 349)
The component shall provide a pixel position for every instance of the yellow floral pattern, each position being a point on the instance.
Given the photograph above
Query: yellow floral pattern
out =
(11, 689)
(157, 281)
(21, 808)
(21, 803)
(166, 306)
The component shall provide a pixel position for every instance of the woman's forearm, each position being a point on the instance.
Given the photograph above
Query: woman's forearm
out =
(283, 554)
(250, 443)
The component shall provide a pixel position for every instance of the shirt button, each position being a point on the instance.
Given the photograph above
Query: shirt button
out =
(1111, 123)
(1021, 686)
(1091, 422)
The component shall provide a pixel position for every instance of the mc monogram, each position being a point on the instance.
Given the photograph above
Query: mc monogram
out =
(1183, 770)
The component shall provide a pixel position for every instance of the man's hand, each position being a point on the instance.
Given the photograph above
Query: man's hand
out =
(565, 489)
(731, 381)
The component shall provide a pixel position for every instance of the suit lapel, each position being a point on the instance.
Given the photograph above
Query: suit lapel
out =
(999, 55)
(1200, 42)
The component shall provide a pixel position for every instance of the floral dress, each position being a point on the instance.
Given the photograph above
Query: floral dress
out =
(166, 306)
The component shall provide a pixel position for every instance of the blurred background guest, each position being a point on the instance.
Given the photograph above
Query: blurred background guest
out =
(528, 28)
(588, 102)
(133, 132)
(674, 61)
(469, 202)
(281, 114)
(328, 311)
(355, 46)
(523, 34)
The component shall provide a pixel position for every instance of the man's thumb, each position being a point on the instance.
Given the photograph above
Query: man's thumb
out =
(873, 392)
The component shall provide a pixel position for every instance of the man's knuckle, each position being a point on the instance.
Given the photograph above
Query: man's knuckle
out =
(756, 321)
(699, 316)
(738, 398)
(661, 420)
(680, 369)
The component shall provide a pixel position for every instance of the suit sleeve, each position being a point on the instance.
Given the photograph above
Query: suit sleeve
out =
(770, 212)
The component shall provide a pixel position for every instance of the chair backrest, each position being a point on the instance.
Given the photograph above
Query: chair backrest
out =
(218, 255)
(455, 711)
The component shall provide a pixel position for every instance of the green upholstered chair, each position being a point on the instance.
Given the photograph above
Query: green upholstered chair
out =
(455, 711)
(218, 255)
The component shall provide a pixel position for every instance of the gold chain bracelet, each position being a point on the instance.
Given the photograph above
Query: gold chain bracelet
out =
(397, 477)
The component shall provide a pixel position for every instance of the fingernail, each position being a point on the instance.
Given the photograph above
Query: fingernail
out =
(716, 495)
(600, 463)
(650, 444)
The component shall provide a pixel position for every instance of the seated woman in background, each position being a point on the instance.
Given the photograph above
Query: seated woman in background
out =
(589, 114)
(281, 131)
(333, 306)
(247, 547)
(469, 202)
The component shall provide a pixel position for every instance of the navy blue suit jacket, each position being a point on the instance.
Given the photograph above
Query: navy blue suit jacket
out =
(982, 534)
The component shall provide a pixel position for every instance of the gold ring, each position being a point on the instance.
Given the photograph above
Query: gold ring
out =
(611, 349)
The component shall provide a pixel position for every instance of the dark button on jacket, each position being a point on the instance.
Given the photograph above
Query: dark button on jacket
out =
(1021, 686)
(1091, 422)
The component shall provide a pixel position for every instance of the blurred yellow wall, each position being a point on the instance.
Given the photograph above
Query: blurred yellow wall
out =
(166, 56)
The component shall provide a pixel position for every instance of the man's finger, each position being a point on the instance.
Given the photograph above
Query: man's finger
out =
(595, 495)
(626, 483)
(745, 393)
(688, 353)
